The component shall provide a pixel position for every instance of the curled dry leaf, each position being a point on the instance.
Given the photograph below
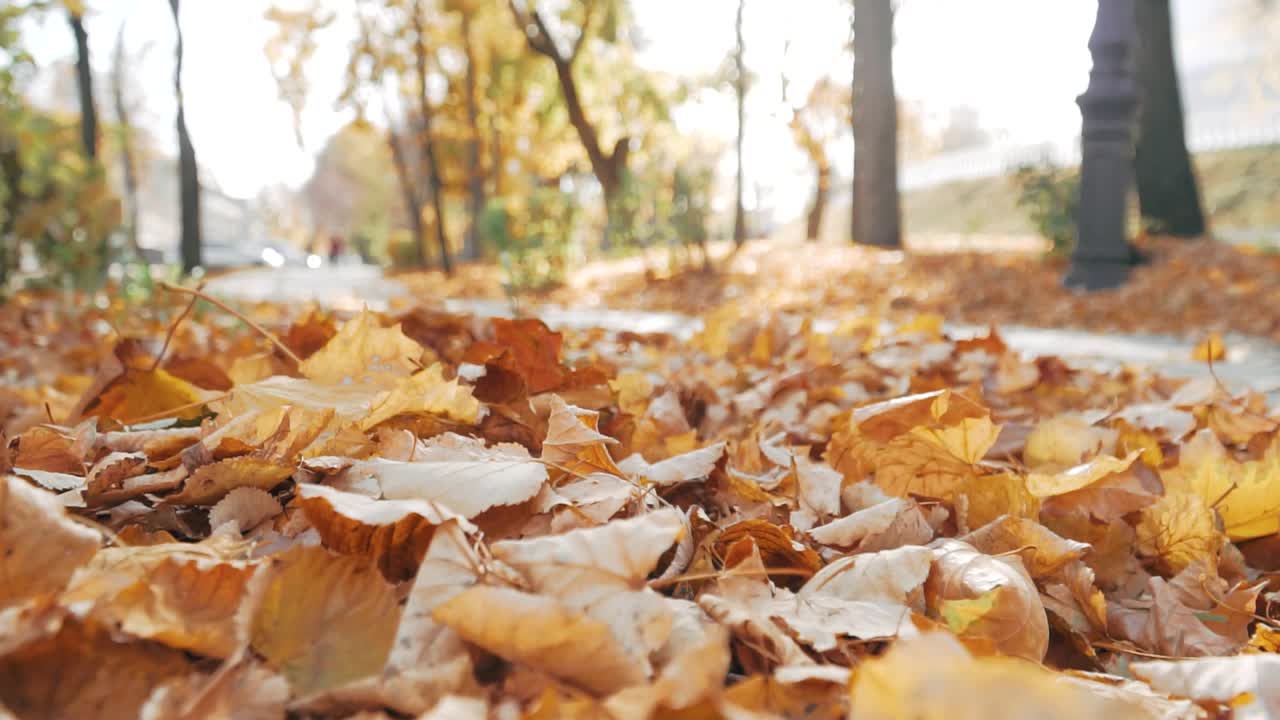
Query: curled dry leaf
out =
(111, 471)
(686, 467)
(467, 487)
(42, 545)
(540, 632)
(394, 534)
(987, 599)
(247, 507)
(1248, 684)
(601, 572)
(1043, 551)
(171, 594)
(867, 596)
(45, 448)
(889, 524)
(210, 483)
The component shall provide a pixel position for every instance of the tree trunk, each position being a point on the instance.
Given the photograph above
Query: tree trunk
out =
(609, 169)
(84, 84)
(876, 209)
(188, 171)
(740, 89)
(428, 142)
(1167, 192)
(128, 163)
(409, 195)
(822, 188)
(475, 171)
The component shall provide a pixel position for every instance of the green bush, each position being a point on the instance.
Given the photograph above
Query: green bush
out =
(1050, 196)
(533, 237)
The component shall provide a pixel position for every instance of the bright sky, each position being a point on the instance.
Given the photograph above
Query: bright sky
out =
(1019, 62)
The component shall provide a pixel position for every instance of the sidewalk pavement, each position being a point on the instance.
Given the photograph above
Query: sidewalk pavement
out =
(1251, 363)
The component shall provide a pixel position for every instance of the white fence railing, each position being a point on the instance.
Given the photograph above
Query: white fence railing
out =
(1204, 134)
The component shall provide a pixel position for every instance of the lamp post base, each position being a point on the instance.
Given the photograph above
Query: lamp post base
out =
(1090, 275)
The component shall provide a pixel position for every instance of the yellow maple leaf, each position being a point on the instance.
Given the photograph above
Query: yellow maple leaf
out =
(1246, 495)
(139, 394)
(425, 391)
(1178, 530)
(363, 351)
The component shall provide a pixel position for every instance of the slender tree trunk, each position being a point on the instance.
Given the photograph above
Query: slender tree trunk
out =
(609, 169)
(428, 142)
(1167, 192)
(10, 175)
(740, 89)
(475, 171)
(876, 209)
(188, 171)
(409, 195)
(821, 190)
(84, 85)
(128, 163)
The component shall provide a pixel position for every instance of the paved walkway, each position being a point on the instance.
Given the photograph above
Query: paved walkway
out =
(1250, 363)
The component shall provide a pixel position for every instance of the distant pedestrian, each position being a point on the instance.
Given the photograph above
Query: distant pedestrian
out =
(335, 249)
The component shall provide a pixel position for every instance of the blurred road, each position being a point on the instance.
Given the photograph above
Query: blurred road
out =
(342, 287)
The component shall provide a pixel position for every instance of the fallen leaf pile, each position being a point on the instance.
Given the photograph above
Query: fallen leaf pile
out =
(1187, 289)
(446, 516)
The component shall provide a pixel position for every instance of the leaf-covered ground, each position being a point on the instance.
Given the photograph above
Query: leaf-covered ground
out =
(1187, 289)
(425, 514)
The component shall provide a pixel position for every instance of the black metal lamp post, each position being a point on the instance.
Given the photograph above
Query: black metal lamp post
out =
(1102, 257)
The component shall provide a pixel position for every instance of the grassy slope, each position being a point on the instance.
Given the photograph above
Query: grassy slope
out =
(1240, 190)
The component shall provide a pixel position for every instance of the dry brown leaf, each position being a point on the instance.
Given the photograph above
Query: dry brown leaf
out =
(539, 632)
(1179, 530)
(43, 547)
(184, 599)
(394, 534)
(247, 507)
(210, 483)
(1043, 552)
(244, 692)
(81, 672)
(1246, 495)
(465, 486)
(362, 351)
(111, 471)
(1065, 441)
(687, 467)
(932, 677)
(1248, 684)
(44, 448)
(323, 620)
(424, 392)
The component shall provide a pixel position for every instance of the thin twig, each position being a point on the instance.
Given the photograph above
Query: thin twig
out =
(173, 329)
(172, 411)
(1117, 647)
(667, 582)
(240, 316)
